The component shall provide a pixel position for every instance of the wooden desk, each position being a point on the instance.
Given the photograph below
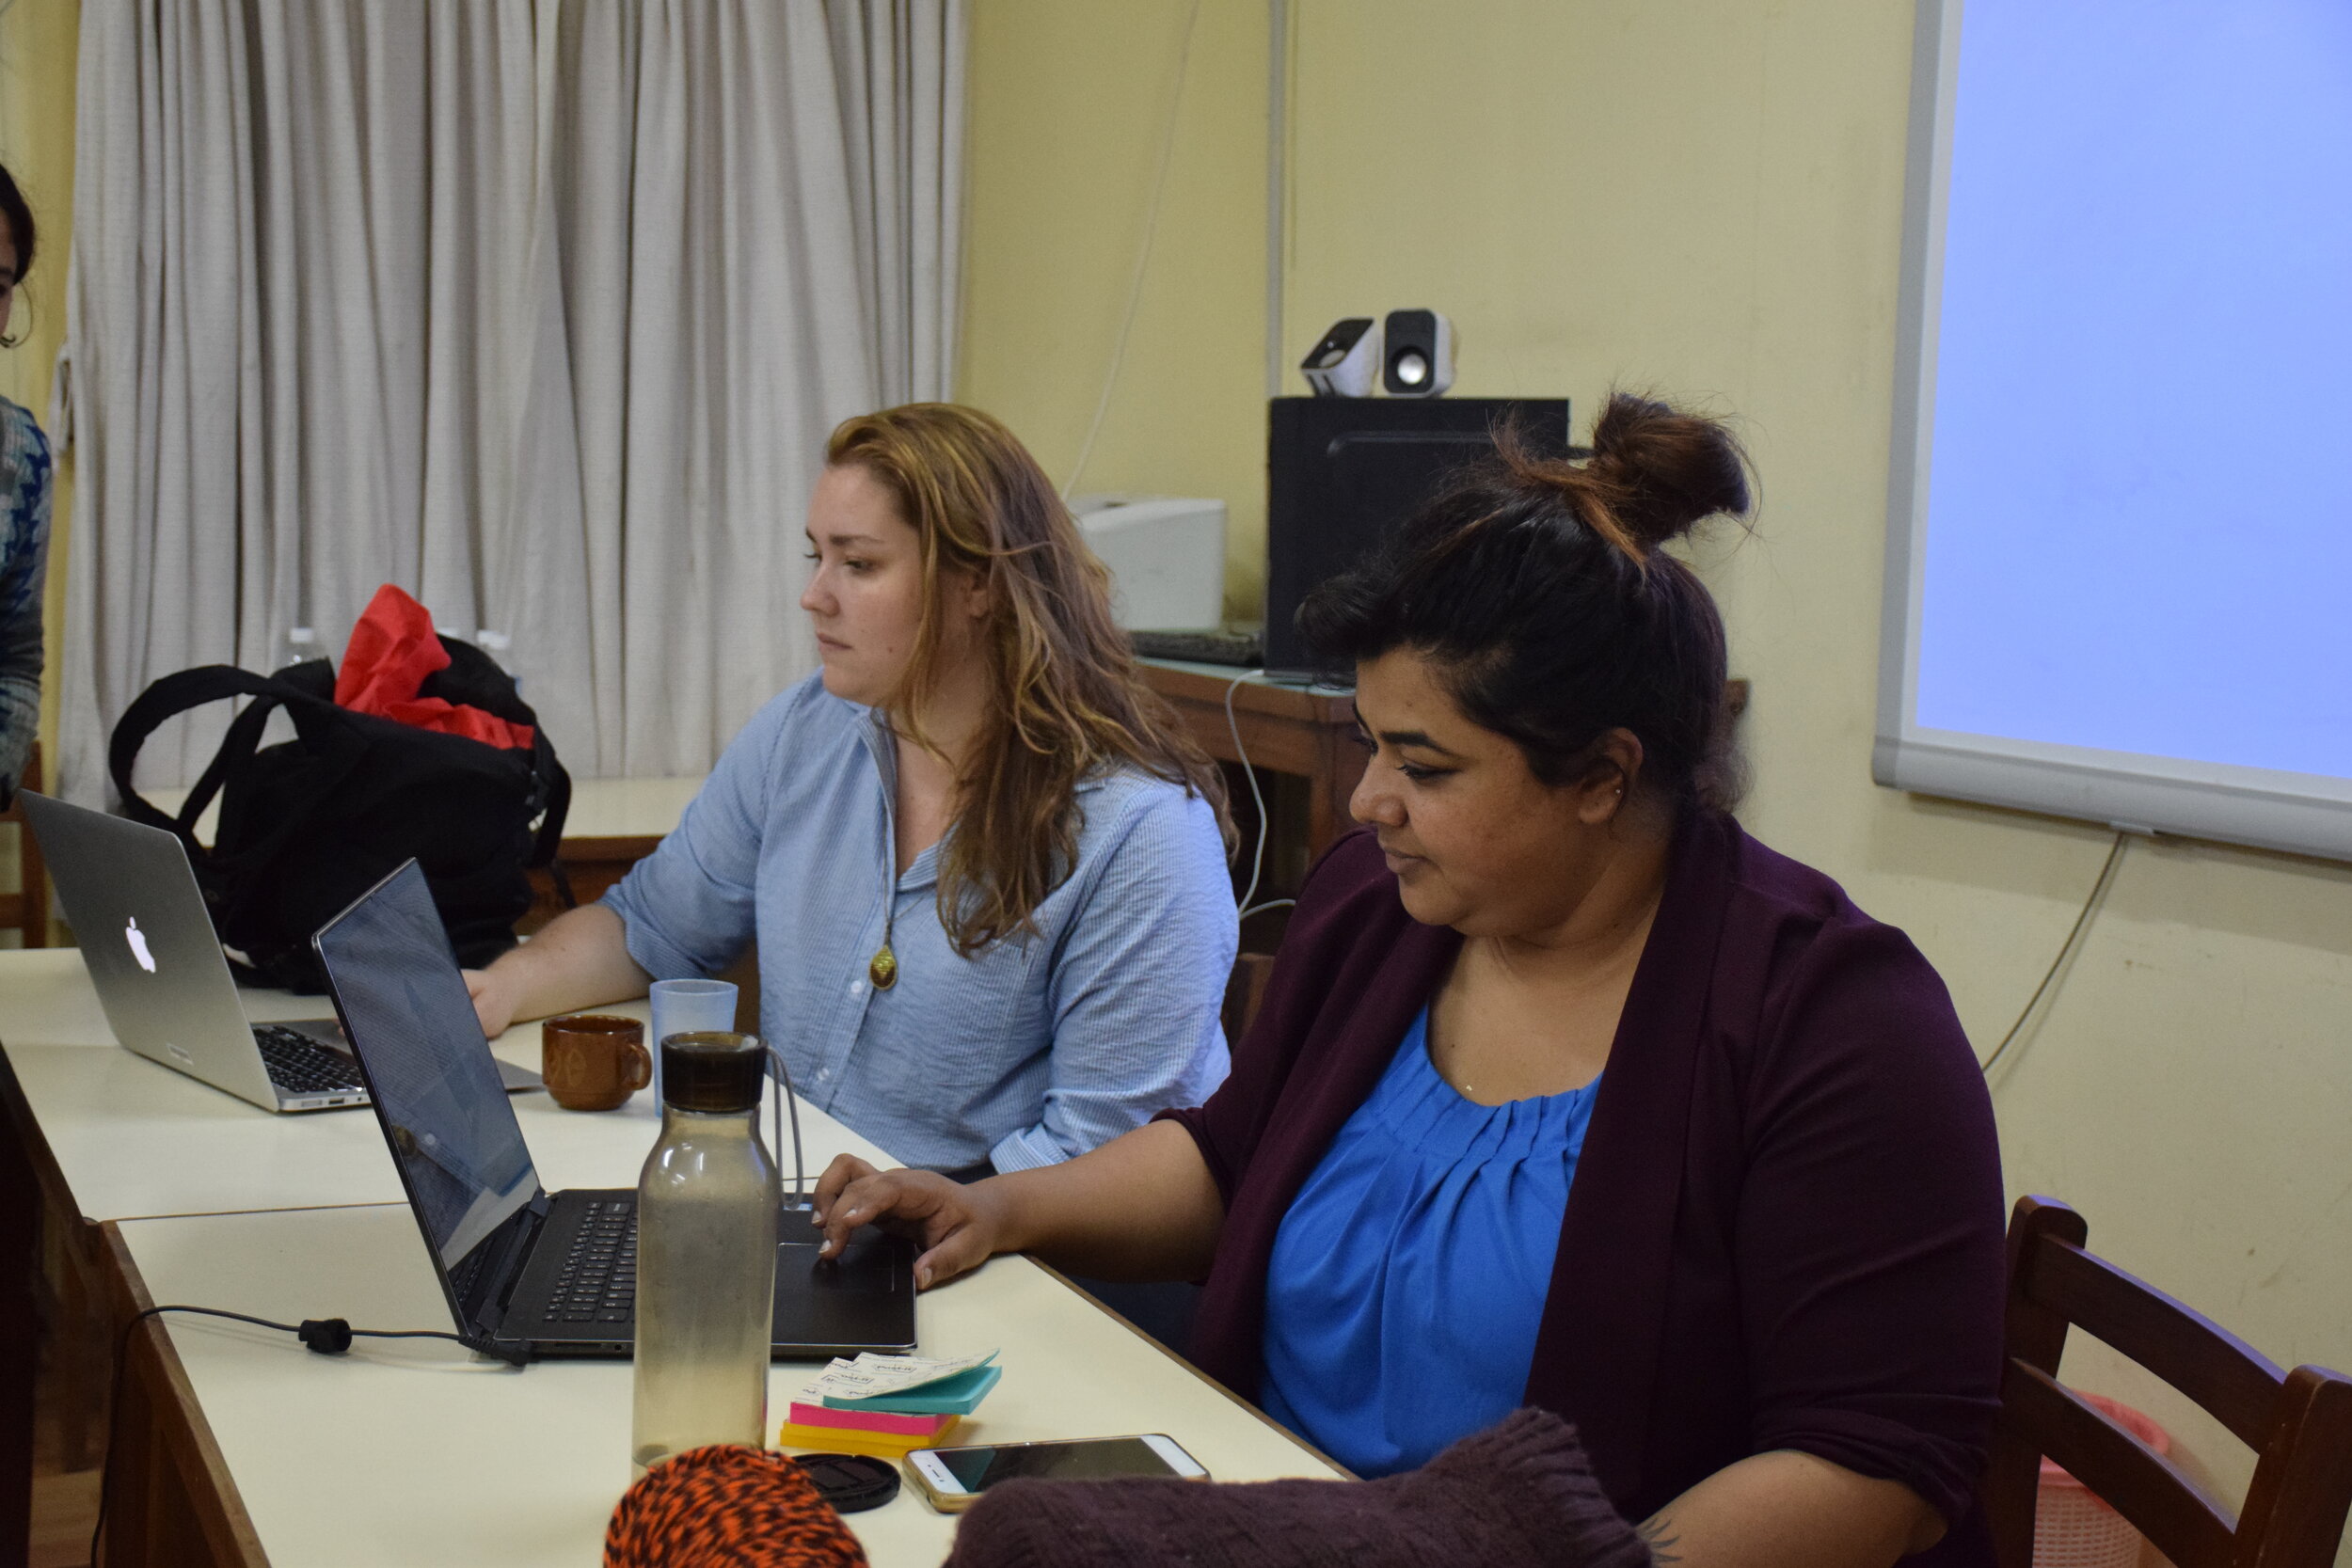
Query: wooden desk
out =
(1306, 731)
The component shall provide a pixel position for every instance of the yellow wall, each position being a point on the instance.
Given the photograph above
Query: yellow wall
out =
(1704, 198)
(1068, 111)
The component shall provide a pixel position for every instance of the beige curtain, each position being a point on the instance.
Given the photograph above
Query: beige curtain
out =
(539, 310)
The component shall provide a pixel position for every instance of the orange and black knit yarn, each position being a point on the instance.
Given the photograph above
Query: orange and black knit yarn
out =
(728, 1506)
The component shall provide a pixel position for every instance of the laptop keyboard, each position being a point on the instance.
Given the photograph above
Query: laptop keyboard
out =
(597, 1283)
(300, 1065)
(1238, 649)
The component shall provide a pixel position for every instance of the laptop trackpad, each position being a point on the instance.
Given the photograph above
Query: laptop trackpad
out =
(864, 1298)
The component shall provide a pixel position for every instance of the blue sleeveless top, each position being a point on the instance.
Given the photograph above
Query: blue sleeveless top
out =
(1408, 1277)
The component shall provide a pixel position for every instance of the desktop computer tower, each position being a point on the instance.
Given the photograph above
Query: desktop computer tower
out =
(1343, 472)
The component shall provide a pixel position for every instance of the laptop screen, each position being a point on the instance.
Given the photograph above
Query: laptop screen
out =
(435, 1082)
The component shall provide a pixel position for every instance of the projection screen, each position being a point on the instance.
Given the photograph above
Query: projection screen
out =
(2119, 572)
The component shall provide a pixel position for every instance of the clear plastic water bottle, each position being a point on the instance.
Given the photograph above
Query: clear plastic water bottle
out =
(302, 647)
(705, 1254)
(500, 648)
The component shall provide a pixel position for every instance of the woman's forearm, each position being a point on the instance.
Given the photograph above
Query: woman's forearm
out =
(579, 960)
(1788, 1509)
(1141, 1207)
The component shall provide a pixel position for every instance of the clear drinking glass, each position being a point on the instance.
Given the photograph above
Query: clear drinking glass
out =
(688, 1008)
(706, 1255)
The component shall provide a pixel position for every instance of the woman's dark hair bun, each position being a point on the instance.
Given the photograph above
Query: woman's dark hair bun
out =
(1654, 473)
(19, 219)
(1535, 587)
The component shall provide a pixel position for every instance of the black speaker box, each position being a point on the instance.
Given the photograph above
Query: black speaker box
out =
(1343, 472)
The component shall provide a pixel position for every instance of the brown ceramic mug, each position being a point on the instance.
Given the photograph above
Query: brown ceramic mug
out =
(593, 1061)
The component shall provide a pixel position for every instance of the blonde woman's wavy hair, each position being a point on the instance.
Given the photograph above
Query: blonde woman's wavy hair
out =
(1068, 701)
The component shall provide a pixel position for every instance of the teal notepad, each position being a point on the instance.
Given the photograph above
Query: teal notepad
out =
(957, 1395)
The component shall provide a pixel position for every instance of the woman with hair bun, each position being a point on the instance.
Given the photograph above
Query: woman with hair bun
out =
(23, 518)
(1565, 1092)
(985, 868)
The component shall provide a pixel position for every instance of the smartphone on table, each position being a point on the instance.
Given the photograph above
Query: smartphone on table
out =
(949, 1479)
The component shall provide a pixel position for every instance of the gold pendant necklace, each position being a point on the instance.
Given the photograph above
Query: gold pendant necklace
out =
(882, 968)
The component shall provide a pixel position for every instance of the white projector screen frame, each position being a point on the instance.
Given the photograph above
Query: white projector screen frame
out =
(2303, 813)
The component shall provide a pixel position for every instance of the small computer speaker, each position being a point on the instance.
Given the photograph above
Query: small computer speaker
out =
(1342, 365)
(1420, 353)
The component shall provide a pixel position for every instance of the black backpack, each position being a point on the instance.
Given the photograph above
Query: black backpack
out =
(308, 824)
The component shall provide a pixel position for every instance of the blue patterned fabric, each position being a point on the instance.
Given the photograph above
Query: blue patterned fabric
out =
(1408, 1277)
(23, 557)
(1030, 1052)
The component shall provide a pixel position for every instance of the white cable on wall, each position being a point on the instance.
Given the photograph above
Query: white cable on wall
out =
(2066, 948)
(1257, 799)
(1143, 254)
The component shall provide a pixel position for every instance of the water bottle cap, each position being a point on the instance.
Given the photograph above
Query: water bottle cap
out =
(718, 1071)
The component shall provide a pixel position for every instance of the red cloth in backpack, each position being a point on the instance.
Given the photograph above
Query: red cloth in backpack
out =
(392, 651)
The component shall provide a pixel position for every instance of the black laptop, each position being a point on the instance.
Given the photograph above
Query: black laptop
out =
(528, 1271)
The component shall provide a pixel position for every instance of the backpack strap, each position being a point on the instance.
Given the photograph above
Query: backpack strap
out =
(555, 787)
(188, 689)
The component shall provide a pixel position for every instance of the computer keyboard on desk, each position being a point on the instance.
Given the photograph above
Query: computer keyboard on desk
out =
(1241, 649)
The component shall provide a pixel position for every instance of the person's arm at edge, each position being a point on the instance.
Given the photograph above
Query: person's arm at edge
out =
(1141, 1207)
(698, 879)
(1870, 1149)
(1790, 1510)
(579, 960)
(25, 567)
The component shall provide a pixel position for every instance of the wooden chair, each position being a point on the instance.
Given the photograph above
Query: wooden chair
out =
(28, 908)
(1244, 991)
(2298, 1422)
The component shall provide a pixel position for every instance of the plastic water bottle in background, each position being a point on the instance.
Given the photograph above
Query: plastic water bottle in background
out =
(706, 1255)
(302, 647)
(500, 648)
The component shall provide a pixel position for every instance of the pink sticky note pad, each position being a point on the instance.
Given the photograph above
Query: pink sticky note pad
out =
(866, 1420)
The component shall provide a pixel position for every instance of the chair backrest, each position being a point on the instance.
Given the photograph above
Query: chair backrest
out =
(1244, 990)
(2299, 1423)
(28, 908)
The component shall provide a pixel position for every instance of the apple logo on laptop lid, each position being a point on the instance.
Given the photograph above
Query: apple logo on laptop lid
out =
(131, 934)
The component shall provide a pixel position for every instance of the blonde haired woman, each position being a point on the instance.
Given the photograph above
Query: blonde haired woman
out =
(986, 872)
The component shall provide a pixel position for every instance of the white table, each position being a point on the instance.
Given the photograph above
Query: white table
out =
(134, 1140)
(626, 808)
(411, 1451)
(468, 1460)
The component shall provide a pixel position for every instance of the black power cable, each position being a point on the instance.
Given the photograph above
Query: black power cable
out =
(2107, 871)
(324, 1335)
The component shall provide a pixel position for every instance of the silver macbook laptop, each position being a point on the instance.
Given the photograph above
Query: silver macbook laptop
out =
(149, 944)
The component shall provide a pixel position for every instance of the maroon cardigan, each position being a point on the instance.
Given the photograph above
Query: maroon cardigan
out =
(1785, 1231)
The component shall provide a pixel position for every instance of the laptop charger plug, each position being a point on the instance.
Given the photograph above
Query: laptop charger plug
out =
(326, 1335)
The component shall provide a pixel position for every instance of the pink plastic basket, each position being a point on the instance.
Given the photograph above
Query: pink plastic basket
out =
(2072, 1526)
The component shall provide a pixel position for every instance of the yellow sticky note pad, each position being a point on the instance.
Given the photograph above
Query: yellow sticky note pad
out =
(881, 1444)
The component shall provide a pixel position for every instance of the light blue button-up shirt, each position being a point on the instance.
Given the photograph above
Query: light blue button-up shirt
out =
(1031, 1050)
